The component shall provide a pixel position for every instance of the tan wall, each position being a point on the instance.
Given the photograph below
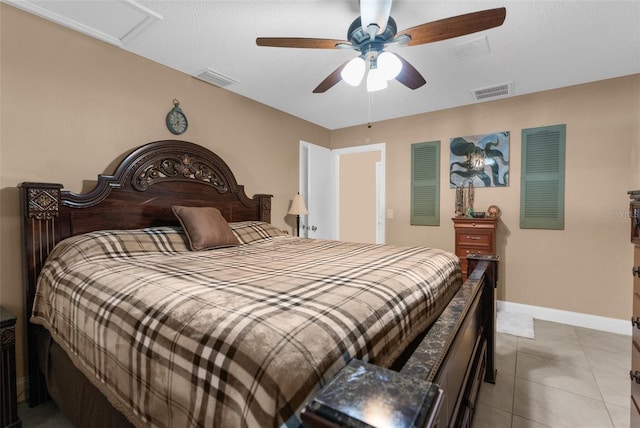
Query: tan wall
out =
(357, 216)
(72, 104)
(584, 268)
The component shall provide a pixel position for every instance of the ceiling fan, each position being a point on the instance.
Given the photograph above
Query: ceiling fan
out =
(373, 31)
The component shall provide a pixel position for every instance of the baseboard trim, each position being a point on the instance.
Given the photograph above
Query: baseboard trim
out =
(595, 322)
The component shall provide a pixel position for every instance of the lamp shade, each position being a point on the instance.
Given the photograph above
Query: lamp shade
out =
(297, 206)
(389, 64)
(376, 80)
(353, 72)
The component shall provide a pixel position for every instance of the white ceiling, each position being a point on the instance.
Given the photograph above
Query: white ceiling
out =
(542, 45)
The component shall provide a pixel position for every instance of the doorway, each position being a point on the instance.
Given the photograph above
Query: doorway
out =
(345, 192)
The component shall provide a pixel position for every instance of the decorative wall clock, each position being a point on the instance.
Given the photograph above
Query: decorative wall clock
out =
(176, 119)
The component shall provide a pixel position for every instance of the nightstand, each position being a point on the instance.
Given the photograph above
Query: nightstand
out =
(474, 236)
(8, 397)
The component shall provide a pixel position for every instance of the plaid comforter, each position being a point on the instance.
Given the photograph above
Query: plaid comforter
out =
(237, 336)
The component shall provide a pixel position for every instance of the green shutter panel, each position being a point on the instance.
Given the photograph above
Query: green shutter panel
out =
(542, 182)
(425, 184)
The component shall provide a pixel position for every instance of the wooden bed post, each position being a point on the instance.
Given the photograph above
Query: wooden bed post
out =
(40, 210)
(489, 304)
(265, 207)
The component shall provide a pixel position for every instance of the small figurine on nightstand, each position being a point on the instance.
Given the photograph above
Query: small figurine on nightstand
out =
(464, 200)
(494, 211)
(459, 201)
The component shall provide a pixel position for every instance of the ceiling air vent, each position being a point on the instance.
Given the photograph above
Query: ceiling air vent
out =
(495, 91)
(115, 22)
(215, 78)
(470, 49)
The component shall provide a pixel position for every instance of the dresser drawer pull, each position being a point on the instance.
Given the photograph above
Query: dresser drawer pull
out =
(636, 271)
(635, 376)
(635, 322)
(474, 238)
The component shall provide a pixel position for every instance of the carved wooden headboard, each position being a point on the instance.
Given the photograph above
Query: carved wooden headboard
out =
(141, 192)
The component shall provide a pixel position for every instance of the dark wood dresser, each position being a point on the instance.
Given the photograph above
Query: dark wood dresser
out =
(474, 236)
(635, 319)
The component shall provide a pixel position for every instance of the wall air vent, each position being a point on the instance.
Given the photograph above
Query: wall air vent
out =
(495, 91)
(214, 78)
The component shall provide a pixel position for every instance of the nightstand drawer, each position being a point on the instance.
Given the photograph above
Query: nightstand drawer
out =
(636, 278)
(474, 238)
(464, 251)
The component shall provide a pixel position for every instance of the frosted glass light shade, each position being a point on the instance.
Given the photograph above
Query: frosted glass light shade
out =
(353, 72)
(389, 64)
(376, 80)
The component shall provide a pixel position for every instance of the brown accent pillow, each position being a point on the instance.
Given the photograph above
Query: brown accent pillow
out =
(205, 227)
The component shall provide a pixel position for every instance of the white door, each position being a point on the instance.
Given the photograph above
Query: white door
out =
(317, 187)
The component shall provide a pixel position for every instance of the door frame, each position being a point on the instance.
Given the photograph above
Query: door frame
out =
(380, 185)
(335, 202)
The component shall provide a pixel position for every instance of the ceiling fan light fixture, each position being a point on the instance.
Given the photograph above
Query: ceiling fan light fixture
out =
(376, 80)
(389, 65)
(354, 71)
(375, 29)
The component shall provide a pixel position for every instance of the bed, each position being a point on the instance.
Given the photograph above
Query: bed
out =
(212, 337)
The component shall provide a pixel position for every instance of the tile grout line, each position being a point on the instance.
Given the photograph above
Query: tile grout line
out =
(515, 371)
(593, 375)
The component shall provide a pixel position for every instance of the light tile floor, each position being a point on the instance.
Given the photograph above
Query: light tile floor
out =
(566, 377)
(46, 415)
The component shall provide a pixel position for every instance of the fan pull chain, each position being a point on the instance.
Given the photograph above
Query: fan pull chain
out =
(370, 102)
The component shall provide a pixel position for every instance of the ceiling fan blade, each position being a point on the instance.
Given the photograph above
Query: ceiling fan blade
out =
(455, 26)
(409, 76)
(331, 80)
(299, 42)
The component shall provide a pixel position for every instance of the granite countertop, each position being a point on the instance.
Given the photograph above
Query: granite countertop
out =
(364, 395)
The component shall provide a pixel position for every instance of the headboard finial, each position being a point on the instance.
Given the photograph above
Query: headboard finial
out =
(42, 200)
